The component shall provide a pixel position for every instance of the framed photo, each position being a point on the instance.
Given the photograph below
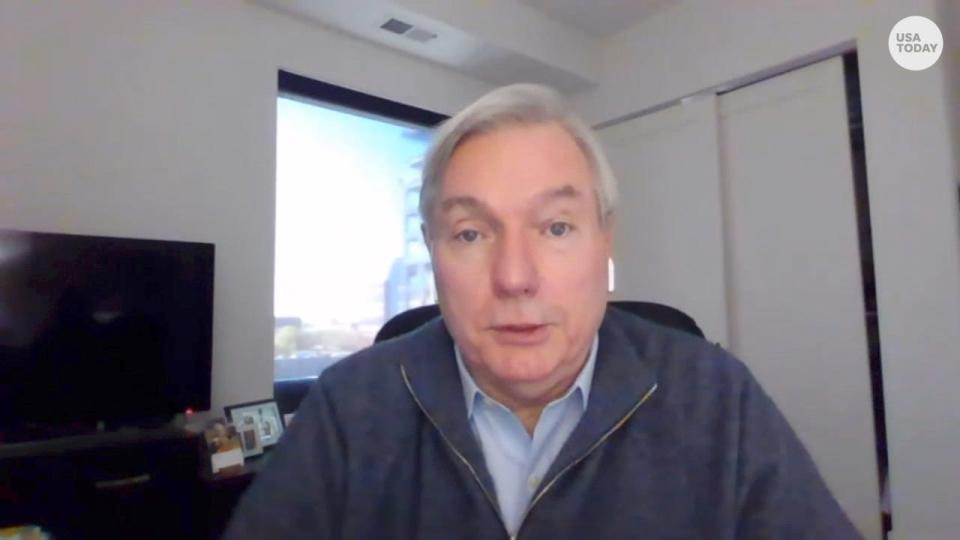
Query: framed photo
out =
(249, 436)
(263, 417)
(223, 444)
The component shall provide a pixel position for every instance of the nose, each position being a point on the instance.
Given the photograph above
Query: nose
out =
(514, 272)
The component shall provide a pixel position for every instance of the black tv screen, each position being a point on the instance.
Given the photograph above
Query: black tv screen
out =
(97, 328)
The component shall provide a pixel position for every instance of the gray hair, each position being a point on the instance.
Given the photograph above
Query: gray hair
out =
(516, 104)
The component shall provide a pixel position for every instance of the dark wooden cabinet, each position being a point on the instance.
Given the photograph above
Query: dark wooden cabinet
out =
(140, 484)
(221, 492)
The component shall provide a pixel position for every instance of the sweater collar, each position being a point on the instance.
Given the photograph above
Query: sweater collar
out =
(583, 382)
(622, 378)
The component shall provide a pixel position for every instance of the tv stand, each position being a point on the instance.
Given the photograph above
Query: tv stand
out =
(32, 432)
(35, 432)
(130, 483)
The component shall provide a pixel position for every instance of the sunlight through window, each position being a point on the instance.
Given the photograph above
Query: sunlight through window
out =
(349, 253)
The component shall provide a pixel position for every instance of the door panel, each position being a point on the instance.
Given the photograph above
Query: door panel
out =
(795, 295)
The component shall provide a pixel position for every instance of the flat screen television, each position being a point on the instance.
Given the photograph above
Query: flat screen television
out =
(103, 329)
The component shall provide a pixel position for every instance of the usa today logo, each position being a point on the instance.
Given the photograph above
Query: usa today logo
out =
(915, 43)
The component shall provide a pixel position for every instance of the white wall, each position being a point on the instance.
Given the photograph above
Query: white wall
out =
(912, 172)
(156, 119)
(669, 238)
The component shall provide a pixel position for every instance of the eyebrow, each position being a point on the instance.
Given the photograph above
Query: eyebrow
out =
(475, 205)
(565, 192)
(465, 201)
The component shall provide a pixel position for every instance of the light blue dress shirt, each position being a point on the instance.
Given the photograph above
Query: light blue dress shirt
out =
(516, 461)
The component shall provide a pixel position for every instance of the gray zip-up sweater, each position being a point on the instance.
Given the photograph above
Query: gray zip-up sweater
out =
(679, 441)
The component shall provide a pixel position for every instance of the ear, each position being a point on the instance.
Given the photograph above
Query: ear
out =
(607, 230)
(425, 232)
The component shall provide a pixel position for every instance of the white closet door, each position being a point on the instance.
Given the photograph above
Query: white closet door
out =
(669, 242)
(796, 312)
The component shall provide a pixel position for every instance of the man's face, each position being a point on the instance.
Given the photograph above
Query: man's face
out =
(520, 257)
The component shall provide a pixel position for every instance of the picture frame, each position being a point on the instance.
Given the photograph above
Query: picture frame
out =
(263, 417)
(249, 435)
(223, 444)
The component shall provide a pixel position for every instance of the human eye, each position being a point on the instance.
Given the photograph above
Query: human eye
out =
(559, 229)
(467, 236)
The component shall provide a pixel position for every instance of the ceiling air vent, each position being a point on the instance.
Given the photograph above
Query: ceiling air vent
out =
(407, 30)
(396, 26)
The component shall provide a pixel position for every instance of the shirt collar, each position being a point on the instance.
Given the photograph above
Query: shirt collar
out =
(583, 382)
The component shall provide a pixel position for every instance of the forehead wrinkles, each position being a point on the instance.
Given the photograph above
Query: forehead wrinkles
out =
(537, 202)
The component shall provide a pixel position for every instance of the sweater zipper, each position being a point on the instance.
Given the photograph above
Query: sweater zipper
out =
(590, 450)
(493, 502)
(553, 481)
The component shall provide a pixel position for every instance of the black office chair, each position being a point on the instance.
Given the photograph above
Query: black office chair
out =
(658, 313)
(407, 321)
(661, 314)
(288, 393)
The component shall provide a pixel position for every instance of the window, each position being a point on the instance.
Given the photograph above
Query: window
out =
(349, 253)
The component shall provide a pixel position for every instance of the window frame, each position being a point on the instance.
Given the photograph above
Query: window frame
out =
(295, 86)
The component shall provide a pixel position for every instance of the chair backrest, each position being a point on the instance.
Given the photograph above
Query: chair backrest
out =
(289, 393)
(661, 314)
(658, 313)
(407, 321)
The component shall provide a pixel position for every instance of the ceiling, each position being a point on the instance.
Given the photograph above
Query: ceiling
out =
(552, 42)
(598, 18)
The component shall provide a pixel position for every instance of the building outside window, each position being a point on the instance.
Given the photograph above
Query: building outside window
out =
(349, 251)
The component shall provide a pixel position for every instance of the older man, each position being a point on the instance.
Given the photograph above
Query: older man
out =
(531, 409)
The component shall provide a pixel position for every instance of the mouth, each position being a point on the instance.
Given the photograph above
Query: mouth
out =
(520, 334)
